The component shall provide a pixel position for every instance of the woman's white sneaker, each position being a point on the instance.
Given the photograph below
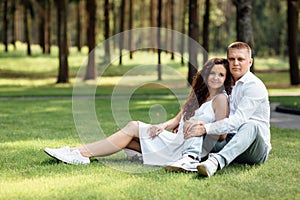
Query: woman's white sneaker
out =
(65, 155)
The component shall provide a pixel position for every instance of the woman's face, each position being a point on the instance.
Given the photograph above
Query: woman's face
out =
(216, 77)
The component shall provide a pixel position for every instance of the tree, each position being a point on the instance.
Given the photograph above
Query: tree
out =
(106, 31)
(78, 25)
(5, 23)
(159, 8)
(172, 7)
(130, 36)
(48, 28)
(91, 38)
(193, 35)
(182, 28)
(63, 73)
(14, 22)
(28, 7)
(121, 42)
(244, 22)
(206, 29)
(293, 13)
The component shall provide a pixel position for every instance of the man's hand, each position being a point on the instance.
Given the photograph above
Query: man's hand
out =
(193, 128)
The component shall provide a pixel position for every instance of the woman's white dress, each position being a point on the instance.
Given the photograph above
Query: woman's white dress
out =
(167, 146)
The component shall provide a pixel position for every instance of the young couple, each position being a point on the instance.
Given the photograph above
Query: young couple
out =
(208, 136)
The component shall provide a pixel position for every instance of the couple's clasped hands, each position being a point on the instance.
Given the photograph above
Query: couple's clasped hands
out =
(191, 128)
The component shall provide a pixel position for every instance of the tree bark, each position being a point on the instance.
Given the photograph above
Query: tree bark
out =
(172, 6)
(293, 13)
(206, 26)
(182, 44)
(106, 31)
(42, 30)
(122, 9)
(91, 39)
(5, 25)
(63, 73)
(78, 26)
(27, 32)
(14, 23)
(48, 28)
(130, 39)
(244, 23)
(193, 34)
(206, 29)
(159, 8)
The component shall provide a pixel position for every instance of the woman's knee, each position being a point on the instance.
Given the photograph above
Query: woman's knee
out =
(133, 127)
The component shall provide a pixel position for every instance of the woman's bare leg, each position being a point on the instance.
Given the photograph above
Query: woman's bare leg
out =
(135, 145)
(113, 143)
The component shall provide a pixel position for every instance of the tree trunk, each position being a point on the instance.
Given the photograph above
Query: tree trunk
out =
(78, 26)
(91, 39)
(63, 73)
(48, 28)
(115, 12)
(292, 17)
(244, 23)
(172, 28)
(159, 7)
(27, 31)
(5, 23)
(153, 23)
(130, 39)
(14, 23)
(183, 4)
(42, 31)
(121, 30)
(206, 26)
(193, 34)
(106, 31)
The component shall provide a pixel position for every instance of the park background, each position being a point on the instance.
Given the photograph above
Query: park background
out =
(44, 45)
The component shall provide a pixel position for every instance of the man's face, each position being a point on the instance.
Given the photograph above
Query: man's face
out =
(239, 62)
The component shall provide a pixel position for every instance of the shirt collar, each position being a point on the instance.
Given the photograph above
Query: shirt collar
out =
(244, 78)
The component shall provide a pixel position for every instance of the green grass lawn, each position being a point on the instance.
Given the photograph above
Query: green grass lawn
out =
(35, 120)
(28, 126)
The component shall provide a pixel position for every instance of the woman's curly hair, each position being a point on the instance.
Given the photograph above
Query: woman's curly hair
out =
(199, 92)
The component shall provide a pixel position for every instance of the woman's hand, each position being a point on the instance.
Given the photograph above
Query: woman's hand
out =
(193, 128)
(156, 129)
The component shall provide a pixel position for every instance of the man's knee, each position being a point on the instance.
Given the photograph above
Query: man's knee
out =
(250, 126)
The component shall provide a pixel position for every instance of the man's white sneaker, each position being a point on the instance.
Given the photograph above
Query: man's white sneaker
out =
(208, 167)
(65, 155)
(185, 164)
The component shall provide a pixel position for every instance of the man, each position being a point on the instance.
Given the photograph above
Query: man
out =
(249, 117)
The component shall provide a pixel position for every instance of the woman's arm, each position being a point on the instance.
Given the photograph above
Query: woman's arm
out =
(221, 108)
(168, 125)
(173, 123)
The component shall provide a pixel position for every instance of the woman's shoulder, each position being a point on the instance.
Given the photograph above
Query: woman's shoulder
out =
(222, 97)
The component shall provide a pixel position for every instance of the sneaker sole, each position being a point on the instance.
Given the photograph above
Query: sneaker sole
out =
(202, 170)
(174, 169)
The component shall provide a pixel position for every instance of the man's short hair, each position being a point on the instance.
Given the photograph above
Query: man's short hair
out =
(239, 45)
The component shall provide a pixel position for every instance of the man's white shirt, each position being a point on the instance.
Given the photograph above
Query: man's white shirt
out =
(248, 101)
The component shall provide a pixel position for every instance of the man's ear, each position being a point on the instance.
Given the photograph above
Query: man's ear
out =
(250, 62)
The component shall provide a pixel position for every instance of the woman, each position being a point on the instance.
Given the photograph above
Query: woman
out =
(157, 145)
